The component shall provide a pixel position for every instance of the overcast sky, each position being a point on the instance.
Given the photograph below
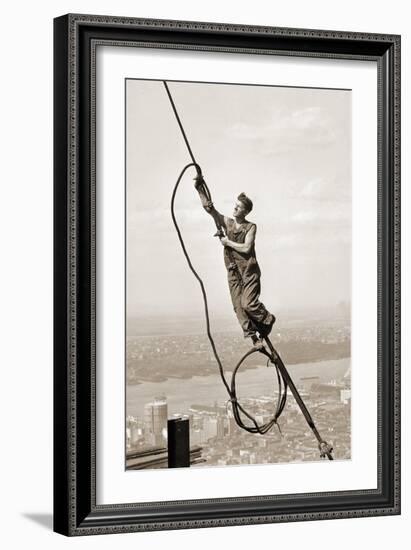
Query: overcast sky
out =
(289, 149)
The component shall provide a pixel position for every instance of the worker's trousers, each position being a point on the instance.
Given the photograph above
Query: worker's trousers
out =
(251, 313)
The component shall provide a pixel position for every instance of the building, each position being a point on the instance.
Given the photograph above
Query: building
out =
(155, 421)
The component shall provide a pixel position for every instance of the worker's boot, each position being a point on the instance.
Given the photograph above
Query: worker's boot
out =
(266, 328)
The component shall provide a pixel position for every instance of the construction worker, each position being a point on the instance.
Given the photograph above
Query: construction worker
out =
(242, 267)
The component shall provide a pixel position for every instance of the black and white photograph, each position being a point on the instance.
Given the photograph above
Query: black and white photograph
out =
(206, 248)
(238, 274)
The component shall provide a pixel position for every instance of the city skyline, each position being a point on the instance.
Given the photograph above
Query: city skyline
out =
(220, 442)
(176, 374)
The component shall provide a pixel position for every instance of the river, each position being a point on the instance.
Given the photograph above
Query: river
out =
(205, 390)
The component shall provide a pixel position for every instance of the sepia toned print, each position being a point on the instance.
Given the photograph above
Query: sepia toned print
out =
(270, 170)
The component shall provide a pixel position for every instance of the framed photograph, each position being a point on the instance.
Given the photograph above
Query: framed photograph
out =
(227, 274)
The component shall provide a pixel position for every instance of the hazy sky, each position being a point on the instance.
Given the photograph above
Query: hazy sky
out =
(288, 149)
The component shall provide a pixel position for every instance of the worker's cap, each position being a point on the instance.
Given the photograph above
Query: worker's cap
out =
(248, 203)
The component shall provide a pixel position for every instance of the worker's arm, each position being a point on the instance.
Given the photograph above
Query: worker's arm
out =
(246, 246)
(207, 204)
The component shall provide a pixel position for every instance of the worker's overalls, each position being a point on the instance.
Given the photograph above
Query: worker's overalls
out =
(244, 283)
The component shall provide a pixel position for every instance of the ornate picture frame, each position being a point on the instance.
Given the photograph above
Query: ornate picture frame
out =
(76, 41)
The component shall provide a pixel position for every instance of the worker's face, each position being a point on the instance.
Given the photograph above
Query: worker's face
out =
(239, 209)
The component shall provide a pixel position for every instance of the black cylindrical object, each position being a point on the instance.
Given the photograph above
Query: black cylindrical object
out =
(178, 439)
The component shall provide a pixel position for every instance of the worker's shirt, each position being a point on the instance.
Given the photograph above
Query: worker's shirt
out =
(246, 263)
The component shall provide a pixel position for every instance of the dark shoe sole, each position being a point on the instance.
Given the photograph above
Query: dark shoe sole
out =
(266, 329)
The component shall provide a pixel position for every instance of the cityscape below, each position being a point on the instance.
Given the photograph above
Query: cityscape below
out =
(175, 376)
